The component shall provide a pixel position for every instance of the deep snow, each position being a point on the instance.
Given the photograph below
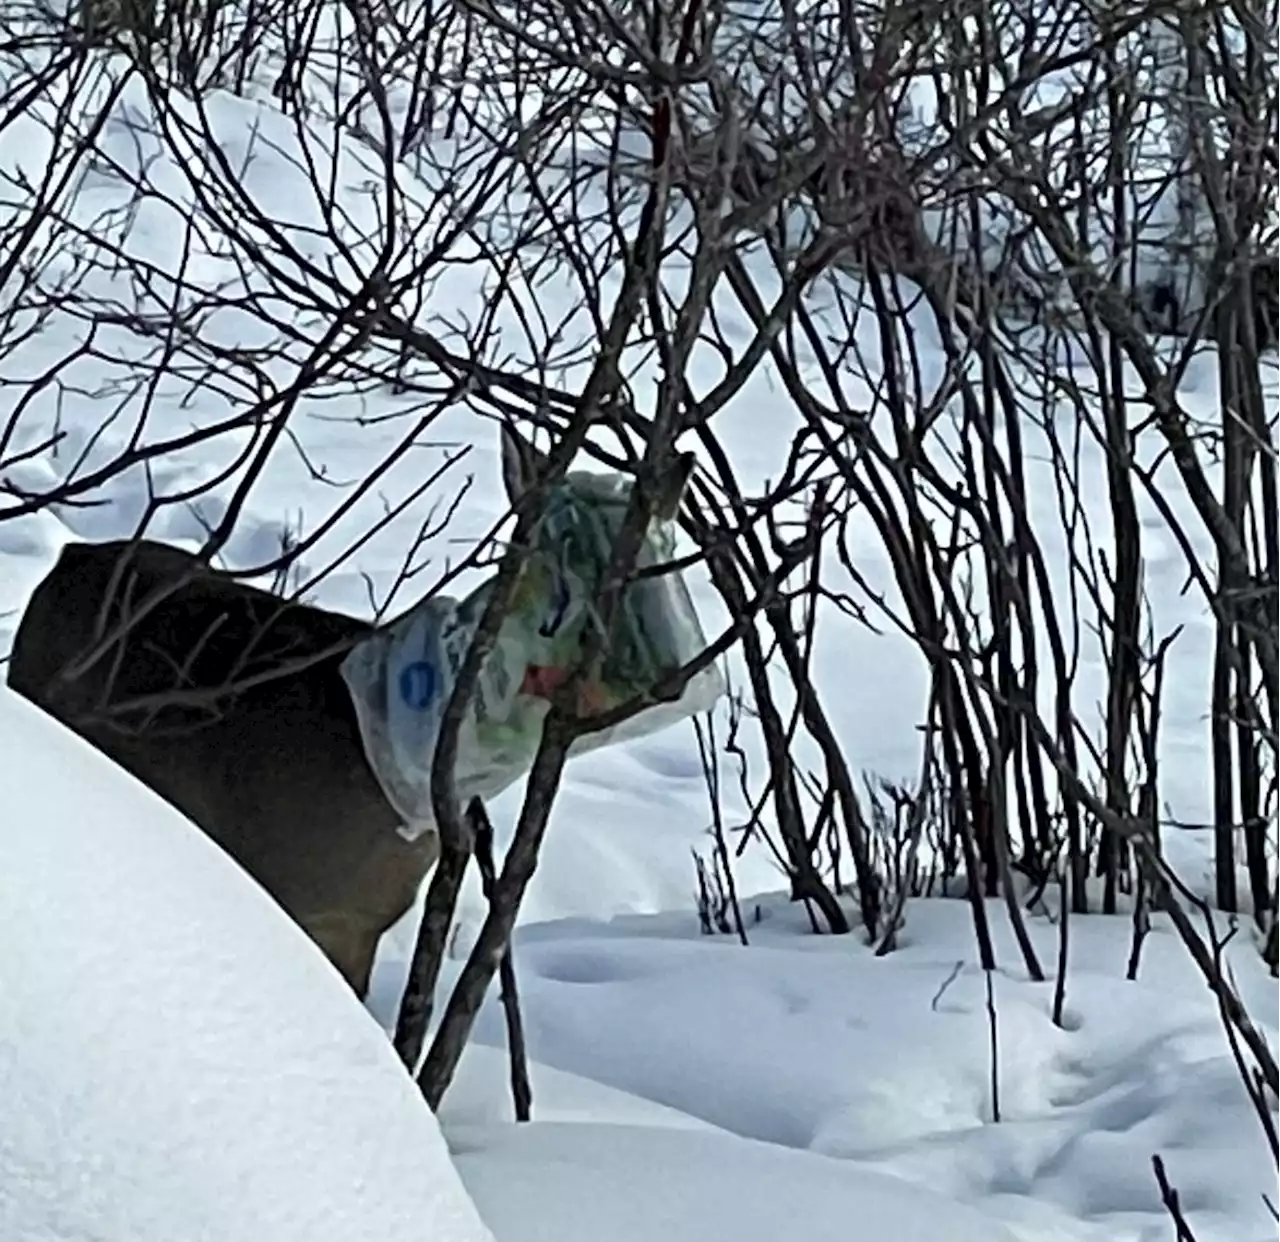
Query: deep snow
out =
(178, 1063)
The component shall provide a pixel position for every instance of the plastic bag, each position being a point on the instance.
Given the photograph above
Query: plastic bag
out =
(400, 678)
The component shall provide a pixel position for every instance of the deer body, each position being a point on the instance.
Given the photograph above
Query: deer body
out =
(274, 772)
(230, 703)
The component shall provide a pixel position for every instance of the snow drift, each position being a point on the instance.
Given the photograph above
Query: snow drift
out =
(177, 1062)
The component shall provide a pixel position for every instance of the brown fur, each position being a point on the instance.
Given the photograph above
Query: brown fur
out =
(274, 773)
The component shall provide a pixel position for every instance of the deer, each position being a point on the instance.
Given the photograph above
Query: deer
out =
(229, 702)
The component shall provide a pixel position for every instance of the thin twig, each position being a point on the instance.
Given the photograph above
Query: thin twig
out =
(521, 1091)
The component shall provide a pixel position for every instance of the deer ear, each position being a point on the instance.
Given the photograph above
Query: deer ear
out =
(521, 463)
(670, 489)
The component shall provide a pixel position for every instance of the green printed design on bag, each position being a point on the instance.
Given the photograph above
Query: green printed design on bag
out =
(538, 646)
(643, 645)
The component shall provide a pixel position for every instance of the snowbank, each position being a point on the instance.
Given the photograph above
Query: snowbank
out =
(177, 1062)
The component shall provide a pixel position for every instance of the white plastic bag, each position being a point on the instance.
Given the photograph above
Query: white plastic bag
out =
(400, 678)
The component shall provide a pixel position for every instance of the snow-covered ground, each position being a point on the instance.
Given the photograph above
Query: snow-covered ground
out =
(177, 1062)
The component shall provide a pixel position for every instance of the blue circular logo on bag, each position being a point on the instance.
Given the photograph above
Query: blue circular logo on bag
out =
(418, 684)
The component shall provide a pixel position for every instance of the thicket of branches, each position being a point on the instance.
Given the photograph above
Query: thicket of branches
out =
(940, 229)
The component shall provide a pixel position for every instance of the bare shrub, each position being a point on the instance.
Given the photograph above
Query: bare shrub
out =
(974, 261)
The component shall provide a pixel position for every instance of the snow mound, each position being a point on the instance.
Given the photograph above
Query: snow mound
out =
(177, 1062)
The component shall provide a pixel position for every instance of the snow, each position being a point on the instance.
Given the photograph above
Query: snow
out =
(560, 1182)
(177, 1060)
(884, 1063)
(180, 1063)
